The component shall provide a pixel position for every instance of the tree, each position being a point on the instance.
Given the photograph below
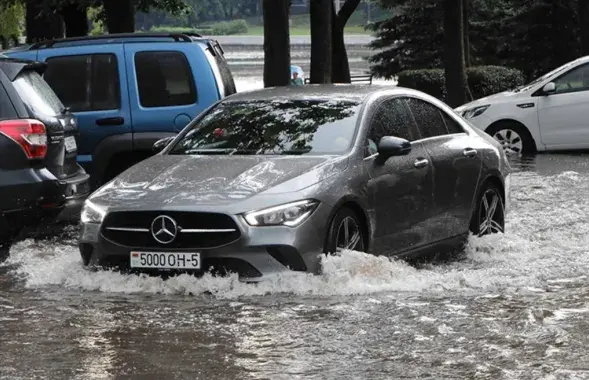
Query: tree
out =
(455, 75)
(340, 69)
(583, 14)
(276, 43)
(410, 39)
(12, 17)
(75, 18)
(321, 39)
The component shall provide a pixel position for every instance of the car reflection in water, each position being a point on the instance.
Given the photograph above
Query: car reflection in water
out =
(265, 181)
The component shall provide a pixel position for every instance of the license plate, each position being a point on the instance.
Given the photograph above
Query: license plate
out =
(165, 260)
(70, 143)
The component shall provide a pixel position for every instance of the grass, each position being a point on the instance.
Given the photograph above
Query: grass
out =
(302, 31)
(299, 26)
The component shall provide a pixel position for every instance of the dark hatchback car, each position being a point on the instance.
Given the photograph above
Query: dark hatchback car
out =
(40, 180)
(265, 181)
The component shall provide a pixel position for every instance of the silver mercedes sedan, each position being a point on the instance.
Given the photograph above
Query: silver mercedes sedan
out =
(269, 181)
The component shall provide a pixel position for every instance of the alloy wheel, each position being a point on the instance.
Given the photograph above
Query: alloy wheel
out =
(491, 213)
(349, 235)
(510, 140)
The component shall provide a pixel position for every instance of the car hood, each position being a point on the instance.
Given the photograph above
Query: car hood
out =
(171, 180)
(501, 97)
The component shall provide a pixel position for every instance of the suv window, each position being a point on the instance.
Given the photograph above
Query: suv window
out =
(37, 94)
(428, 118)
(573, 81)
(391, 118)
(164, 79)
(451, 125)
(7, 110)
(85, 82)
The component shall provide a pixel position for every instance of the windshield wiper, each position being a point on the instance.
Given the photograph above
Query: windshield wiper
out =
(297, 152)
(209, 151)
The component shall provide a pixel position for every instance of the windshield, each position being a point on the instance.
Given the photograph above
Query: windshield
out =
(317, 126)
(544, 77)
(36, 93)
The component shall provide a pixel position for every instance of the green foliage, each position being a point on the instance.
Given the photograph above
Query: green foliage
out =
(533, 36)
(482, 80)
(11, 20)
(230, 27)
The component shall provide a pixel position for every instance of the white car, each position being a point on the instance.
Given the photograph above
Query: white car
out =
(549, 114)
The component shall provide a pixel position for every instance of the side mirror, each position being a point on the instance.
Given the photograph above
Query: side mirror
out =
(159, 145)
(389, 146)
(549, 88)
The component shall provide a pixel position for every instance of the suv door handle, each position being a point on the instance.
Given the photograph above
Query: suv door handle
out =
(469, 152)
(110, 121)
(421, 163)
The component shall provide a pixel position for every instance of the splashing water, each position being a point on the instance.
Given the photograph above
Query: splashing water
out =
(542, 245)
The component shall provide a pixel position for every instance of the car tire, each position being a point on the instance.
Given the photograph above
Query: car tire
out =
(488, 217)
(513, 137)
(345, 220)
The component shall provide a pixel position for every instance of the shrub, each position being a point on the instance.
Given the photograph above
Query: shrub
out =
(175, 29)
(482, 80)
(230, 28)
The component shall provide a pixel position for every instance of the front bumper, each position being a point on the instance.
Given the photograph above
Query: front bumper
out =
(258, 253)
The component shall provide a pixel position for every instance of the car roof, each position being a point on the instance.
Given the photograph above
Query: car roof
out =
(118, 38)
(357, 92)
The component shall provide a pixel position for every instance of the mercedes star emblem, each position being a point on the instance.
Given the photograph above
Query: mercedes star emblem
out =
(164, 229)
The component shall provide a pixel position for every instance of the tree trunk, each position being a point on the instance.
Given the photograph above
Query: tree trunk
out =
(465, 12)
(276, 43)
(40, 23)
(340, 71)
(75, 18)
(120, 16)
(583, 11)
(321, 39)
(456, 84)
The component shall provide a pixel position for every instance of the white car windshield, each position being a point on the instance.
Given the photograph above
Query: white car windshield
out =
(545, 76)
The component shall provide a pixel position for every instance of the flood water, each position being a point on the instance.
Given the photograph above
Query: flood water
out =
(516, 306)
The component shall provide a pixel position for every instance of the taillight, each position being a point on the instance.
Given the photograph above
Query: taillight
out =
(30, 134)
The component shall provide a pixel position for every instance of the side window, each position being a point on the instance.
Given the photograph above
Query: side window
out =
(391, 118)
(451, 125)
(164, 79)
(574, 81)
(428, 118)
(7, 110)
(85, 82)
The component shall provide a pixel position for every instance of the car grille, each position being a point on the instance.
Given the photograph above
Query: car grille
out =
(195, 229)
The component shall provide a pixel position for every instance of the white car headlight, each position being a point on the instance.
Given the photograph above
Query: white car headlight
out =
(289, 214)
(91, 213)
(475, 111)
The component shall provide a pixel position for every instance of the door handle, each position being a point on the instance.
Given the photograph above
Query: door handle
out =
(421, 163)
(110, 121)
(469, 152)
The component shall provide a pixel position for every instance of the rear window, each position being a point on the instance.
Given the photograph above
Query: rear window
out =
(37, 94)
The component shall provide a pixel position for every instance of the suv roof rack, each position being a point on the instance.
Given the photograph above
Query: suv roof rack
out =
(178, 37)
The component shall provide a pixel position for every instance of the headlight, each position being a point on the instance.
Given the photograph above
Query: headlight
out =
(290, 214)
(474, 112)
(91, 213)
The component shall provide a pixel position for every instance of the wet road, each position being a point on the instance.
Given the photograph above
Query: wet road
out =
(515, 306)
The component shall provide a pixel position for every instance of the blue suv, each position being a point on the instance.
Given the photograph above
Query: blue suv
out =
(130, 90)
